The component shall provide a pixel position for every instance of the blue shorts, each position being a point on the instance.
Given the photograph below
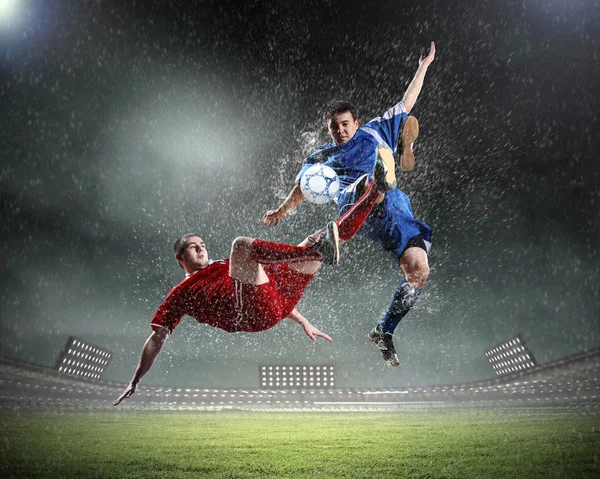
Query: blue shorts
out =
(391, 224)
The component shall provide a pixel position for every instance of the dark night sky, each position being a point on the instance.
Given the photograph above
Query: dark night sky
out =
(125, 124)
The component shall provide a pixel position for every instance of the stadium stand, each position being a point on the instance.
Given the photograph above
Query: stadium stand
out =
(573, 381)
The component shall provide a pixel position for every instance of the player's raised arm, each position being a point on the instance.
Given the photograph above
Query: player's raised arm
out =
(309, 329)
(294, 199)
(150, 351)
(413, 90)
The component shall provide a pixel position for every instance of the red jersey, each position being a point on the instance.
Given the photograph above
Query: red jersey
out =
(213, 297)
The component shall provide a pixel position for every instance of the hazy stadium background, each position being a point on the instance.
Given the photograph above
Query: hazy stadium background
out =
(126, 124)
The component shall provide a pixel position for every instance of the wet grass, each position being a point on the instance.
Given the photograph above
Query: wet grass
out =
(438, 444)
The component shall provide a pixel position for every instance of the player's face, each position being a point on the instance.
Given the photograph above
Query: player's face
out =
(194, 256)
(342, 127)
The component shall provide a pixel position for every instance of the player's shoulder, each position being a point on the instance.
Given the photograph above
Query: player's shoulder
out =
(365, 134)
(201, 273)
(362, 134)
(397, 110)
(220, 263)
(176, 292)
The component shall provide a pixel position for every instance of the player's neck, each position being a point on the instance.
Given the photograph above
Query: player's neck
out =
(189, 272)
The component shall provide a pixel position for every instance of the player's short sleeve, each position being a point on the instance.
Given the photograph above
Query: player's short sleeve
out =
(169, 313)
(386, 128)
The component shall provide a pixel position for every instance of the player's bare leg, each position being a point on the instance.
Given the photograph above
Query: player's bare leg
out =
(414, 264)
(247, 254)
(241, 265)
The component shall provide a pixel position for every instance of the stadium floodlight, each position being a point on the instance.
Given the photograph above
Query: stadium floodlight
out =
(83, 359)
(315, 376)
(510, 357)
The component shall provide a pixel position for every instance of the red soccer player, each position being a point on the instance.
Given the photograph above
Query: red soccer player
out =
(238, 293)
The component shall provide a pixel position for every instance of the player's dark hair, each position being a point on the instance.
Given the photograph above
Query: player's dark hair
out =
(336, 107)
(180, 243)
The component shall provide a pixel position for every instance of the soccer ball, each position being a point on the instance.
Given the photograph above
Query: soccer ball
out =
(319, 184)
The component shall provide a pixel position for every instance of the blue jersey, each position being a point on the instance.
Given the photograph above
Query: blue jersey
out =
(356, 157)
(354, 160)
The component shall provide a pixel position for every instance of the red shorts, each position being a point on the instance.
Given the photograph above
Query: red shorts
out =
(261, 307)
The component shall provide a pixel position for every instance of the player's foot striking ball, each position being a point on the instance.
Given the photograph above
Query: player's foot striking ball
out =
(410, 132)
(385, 343)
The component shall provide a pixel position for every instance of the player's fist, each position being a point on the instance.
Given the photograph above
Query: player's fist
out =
(427, 57)
(126, 394)
(272, 217)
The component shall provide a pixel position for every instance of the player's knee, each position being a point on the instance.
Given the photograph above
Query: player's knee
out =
(241, 245)
(417, 275)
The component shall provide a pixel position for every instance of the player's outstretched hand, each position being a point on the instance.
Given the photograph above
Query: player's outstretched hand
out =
(126, 394)
(313, 333)
(427, 58)
(272, 217)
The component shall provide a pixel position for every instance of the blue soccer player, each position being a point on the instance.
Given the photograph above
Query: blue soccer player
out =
(353, 154)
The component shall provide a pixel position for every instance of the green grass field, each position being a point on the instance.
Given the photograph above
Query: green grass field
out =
(437, 444)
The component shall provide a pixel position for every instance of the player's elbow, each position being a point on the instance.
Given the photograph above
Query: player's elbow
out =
(160, 335)
(242, 244)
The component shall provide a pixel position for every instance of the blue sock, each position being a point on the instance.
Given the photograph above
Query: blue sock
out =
(404, 299)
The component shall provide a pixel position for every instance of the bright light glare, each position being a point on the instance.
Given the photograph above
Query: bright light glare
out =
(8, 9)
